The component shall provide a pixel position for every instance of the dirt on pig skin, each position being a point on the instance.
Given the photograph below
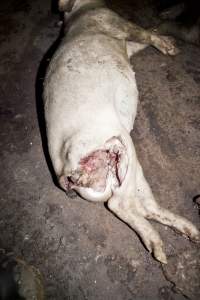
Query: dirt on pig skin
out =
(81, 249)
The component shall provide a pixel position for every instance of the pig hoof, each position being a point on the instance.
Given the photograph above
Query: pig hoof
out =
(156, 248)
(168, 46)
(165, 44)
(159, 254)
(192, 233)
(195, 237)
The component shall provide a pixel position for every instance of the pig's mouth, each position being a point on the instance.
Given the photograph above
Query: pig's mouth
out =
(99, 173)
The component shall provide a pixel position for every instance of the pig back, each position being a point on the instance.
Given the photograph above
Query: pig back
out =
(82, 81)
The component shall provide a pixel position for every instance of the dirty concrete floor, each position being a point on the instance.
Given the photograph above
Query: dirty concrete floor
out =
(82, 250)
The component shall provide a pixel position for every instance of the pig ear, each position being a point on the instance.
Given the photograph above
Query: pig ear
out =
(66, 5)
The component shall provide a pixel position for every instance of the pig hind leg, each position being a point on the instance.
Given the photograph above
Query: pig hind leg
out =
(154, 212)
(127, 206)
(127, 212)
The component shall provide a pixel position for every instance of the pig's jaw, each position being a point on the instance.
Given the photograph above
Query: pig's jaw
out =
(99, 173)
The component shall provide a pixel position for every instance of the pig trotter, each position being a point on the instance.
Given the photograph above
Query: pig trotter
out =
(165, 44)
(137, 222)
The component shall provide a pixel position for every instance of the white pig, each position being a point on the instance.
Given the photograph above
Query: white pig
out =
(90, 98)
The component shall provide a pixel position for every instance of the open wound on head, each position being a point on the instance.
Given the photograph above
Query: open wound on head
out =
(101, 167)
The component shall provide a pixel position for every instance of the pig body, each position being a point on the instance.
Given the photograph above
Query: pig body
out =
(96, 98)
(90, 99)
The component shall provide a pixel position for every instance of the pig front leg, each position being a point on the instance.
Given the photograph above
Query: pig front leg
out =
(163, 43)
(154, 212)
(119, 28)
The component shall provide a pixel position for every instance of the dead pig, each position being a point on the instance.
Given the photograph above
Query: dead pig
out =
(90, 98)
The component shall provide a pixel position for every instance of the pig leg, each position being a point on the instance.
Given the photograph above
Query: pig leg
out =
(119, 28)
(132, 47)
(154, 212)
(125, 204)
(125, 210)
(162, 43)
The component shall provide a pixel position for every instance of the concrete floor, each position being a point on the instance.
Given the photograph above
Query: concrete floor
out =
(82, 250)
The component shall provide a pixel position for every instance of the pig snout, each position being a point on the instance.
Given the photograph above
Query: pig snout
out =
(99, 173)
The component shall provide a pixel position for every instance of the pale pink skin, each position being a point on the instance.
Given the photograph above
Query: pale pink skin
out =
(90, 98)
